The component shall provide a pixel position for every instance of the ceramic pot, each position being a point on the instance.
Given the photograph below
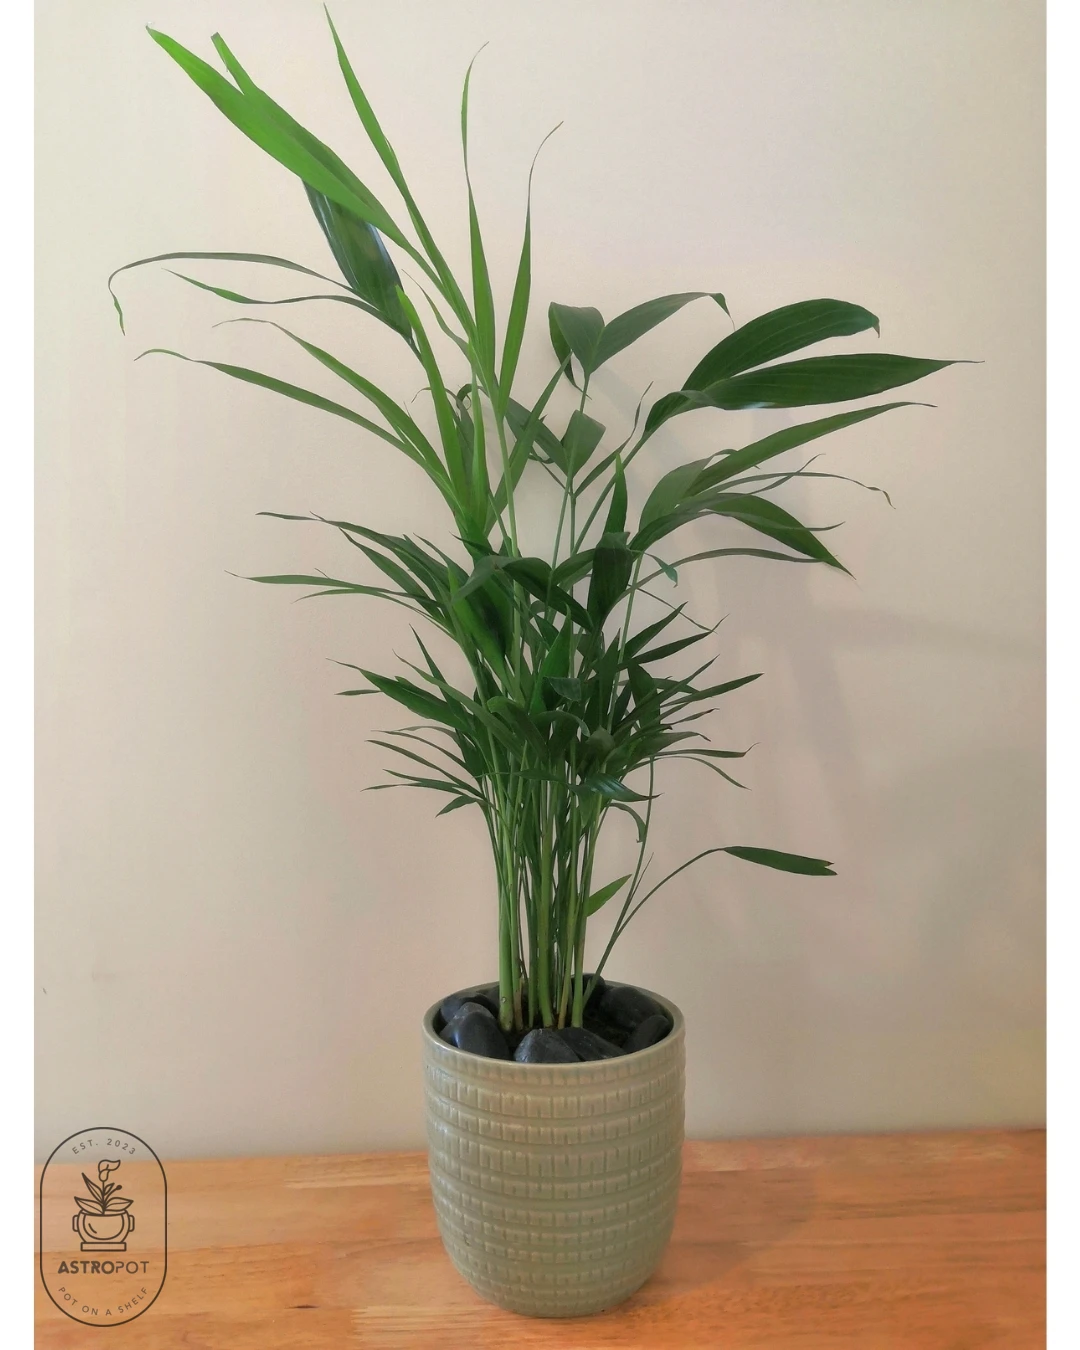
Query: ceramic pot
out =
(555, 1185)
(103, 1232)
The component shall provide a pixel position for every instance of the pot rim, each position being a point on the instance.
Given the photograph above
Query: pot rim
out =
(636, 1056)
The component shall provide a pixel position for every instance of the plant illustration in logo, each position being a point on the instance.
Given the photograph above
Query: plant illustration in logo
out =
(104, 1221)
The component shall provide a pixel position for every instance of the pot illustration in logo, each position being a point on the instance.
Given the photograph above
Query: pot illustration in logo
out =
(104, 1220)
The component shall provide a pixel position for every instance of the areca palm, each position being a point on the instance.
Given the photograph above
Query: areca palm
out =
(566, 714)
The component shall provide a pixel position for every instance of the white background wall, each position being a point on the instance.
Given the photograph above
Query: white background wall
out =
(235, 943)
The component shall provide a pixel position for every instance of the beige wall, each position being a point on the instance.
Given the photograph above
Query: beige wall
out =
(235, 943)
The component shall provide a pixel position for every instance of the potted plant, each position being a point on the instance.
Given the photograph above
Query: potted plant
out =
(103, 1220)
(554, 1097)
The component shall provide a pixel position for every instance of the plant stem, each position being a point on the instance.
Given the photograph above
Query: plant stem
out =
(544, 913)
(634, 882)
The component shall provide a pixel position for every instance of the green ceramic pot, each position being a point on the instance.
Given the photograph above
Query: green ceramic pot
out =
(555, 1185)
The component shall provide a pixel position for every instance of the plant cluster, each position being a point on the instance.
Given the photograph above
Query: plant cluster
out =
(568, 711)
(102, 1197)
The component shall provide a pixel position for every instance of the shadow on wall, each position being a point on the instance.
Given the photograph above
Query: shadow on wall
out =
(911, 1000)
(912, 992)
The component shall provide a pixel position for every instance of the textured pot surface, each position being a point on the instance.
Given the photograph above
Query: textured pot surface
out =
(555, 1185)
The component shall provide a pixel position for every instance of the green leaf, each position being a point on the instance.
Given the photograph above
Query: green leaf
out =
(292, 391)
(783, 862)
(427, 763)
(646, 694)
(612, 566)
(639, 824)
(519, 310)
(716, 690)
(753, 510)
(308, 158)
(672, 648)
(583, 434)
(359, 251)
(455, 804)
(798, 384)
(441, 275)
(776, 334)
(533, 574)
(569, 690)
(616, 516)
(417, 700)
(531, 427)
(646, 635)
(483, 303)
(237, 299)
(555, 665)
(444, 413)
(575, 567)
(519, 303)
(518, 718)
(274, 113)
(636, 322)
(395, 415)
(524, 424)
(671, 491)
(579, 330)
(604, 894)
(480, 483)
(603, 785)
(741, 553)
(264, 258)
(757, 453)
(696, 758)
(560, 346)
(772, 520)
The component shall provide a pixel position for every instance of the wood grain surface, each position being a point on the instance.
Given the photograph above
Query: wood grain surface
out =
(880, 1242)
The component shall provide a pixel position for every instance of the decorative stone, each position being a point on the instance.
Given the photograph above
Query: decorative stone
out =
(625, 1006)
(488, 995)
(607, 1031)
(653, 1029)
(475, 1030)
(454, 1003)
(587, 1044)
(598, 992)
(545, 1045)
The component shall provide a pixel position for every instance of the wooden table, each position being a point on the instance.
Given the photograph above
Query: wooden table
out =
(880, 1242)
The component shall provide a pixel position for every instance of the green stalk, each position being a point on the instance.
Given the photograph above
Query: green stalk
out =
(626, 621)
(544, 915)
(578, 919)
(506, 966)
(634, 882)
(578, 1014)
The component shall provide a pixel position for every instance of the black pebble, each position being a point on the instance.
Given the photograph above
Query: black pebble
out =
(625, 1006)
(598, 992)
(587, 1044)
(653, 1029)
(488, 995)
(544, 1046)
(454, 1003)
(607, 1030)
(475, 1030)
